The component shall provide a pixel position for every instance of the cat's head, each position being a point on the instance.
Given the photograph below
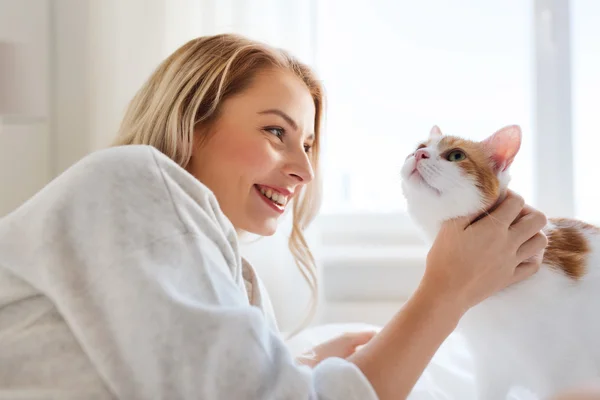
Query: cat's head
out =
(447, 176)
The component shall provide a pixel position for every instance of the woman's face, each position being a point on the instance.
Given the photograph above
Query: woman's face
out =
(255, 157)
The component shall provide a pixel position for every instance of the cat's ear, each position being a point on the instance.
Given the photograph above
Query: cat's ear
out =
(435, 132)
(504, 145)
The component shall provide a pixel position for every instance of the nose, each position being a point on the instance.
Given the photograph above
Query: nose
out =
(422, 154)
(300, 167)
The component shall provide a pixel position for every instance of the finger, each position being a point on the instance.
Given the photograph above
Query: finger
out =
(360, 338)
(524, 271)
(527, 209)
(509, 209)
(458, 223)
(532, 247)
(529, 225)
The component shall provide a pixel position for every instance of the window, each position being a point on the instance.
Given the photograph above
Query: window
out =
(394, 69)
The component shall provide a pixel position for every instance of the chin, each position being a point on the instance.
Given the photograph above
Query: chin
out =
(263, 227)
(267, 231)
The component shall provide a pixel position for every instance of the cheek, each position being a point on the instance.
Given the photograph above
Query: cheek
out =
(252, 158)
(452, 177)
(484, 179)
(462, 188)
(254, 167)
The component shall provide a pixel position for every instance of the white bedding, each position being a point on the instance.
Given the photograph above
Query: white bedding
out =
(449, 376)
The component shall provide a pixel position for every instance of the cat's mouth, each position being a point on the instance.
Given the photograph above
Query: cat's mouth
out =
(415, 174)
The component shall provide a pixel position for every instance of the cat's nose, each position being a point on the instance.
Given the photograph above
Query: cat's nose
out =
(421, 154)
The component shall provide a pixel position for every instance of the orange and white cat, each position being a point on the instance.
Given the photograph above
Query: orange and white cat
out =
(541, 335)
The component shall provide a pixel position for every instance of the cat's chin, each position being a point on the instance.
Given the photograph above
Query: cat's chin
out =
(417, 182)
(429, 223)
(429, 211)
(426, 223)
(429, 217)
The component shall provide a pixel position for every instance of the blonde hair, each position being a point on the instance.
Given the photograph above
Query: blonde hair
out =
(187, 90)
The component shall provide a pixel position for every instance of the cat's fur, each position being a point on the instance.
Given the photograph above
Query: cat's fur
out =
(542, 334)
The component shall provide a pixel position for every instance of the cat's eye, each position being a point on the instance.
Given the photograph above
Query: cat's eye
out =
(456, 155)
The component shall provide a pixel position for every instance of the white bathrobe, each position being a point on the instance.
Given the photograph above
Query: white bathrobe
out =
(122, 279)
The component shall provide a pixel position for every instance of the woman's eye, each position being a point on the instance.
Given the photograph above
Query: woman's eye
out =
(307, 148)
(456, 155)
(275, 131)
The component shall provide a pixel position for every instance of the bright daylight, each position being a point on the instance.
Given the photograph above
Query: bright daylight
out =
(299, 199)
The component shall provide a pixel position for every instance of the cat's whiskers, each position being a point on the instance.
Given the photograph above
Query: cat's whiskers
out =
(428, 175)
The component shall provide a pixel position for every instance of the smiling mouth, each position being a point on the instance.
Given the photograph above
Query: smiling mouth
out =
(272, 197)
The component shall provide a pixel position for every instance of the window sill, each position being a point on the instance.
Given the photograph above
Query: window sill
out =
(370, 257)
(364, 229)
(371, 273)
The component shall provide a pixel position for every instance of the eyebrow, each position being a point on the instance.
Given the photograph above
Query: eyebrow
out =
(287, 119)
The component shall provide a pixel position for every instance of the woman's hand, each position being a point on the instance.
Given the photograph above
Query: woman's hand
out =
(468, 262)
(342, 346)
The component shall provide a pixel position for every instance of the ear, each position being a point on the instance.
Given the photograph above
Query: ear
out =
(435, 132)
(503, 146)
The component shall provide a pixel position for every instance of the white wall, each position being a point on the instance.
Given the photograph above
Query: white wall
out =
(25, 123)
(72, 94)
(104, 50)
(79, 63)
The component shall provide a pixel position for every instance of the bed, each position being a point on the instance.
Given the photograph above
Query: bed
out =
(449, 376)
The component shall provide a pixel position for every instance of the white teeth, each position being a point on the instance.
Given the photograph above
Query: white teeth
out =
(273, 195)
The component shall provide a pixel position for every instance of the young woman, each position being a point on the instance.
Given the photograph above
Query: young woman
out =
(122, 278)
